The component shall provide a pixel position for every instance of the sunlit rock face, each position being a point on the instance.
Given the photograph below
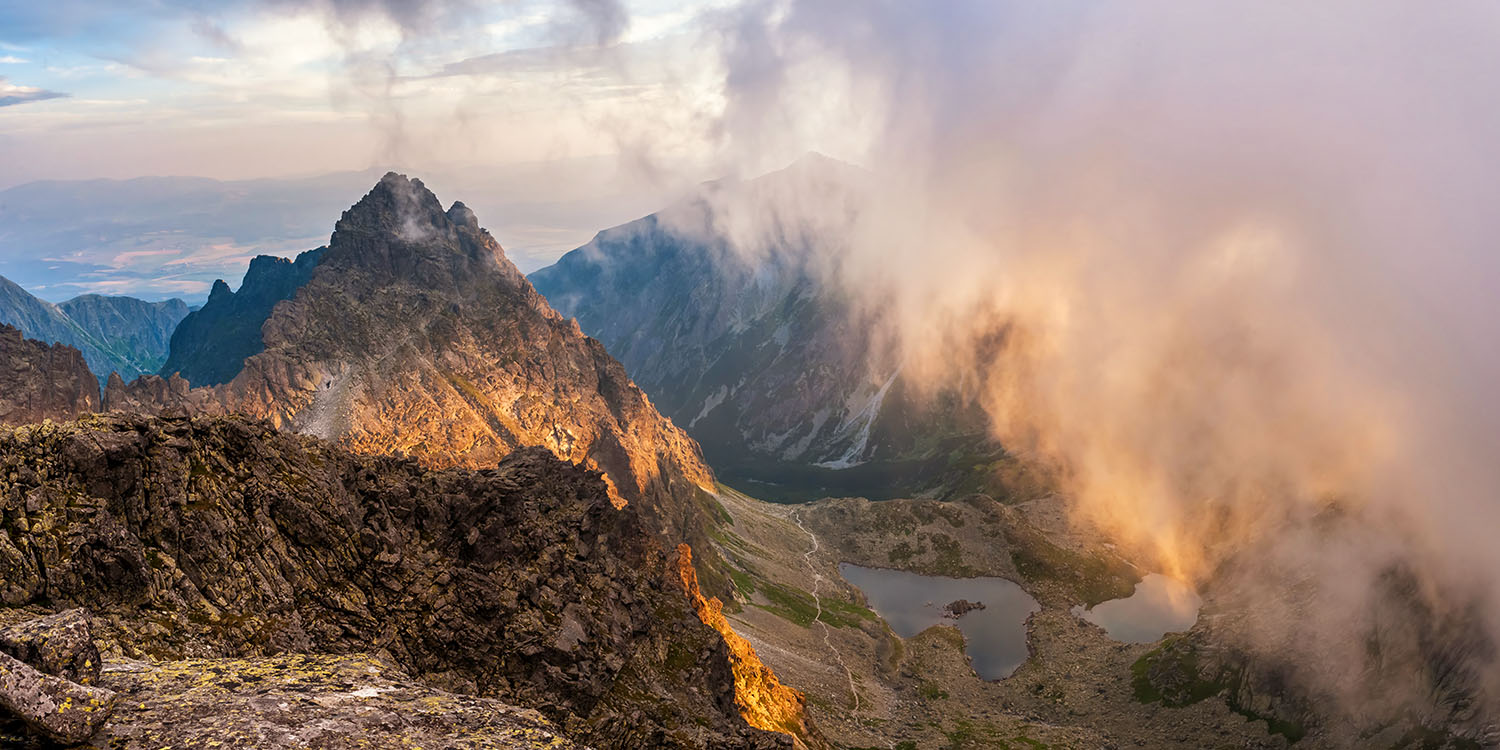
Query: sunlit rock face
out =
(763, 701)
(416, 336)
(40, 382)
(746, 339)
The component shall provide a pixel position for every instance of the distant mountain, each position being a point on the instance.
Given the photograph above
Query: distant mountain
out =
(415, 335)
(135, 332)
(211, 344)
(115, 334)
(158, 237)
(720, 308)
(40, 381)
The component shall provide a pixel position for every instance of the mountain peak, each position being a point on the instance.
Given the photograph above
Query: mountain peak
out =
(461, 215)
(396, 205)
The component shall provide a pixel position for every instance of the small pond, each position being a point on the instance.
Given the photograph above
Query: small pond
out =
(995, 634)
(1160, 605)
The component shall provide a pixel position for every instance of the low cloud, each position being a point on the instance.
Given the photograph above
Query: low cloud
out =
(12, 94)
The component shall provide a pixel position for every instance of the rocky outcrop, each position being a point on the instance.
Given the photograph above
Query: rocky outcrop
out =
(52, 707)
(746, 340)
(225, 538)
(960, 607)
(211, 344)
(40, 382)
(152, 394)
(60, 645)
(115, 334)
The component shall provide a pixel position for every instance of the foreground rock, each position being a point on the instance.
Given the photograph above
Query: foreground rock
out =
(53, 707)
(307, 701)
(60, 644)
(225, 538)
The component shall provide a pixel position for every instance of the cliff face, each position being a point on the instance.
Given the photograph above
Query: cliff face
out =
(40, 382)
(762, 700)
(224, 538)
(115, 334)
(211, 345)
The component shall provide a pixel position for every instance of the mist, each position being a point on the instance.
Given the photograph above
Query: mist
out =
(1228, 269)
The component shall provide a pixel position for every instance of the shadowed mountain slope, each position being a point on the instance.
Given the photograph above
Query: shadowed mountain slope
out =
(211, 344)
(726, 308)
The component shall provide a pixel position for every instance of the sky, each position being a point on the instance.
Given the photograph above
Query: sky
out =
(552, 119)
(273, 88)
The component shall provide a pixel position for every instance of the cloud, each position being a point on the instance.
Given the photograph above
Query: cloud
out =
(1228, 278)
(12, 94)
(12, 60)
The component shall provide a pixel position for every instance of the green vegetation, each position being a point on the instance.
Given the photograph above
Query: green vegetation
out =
(970, 734)
(1171, 658)
(1090, 579)
(902, 552)
(931, 691)
(743, 582)
(950, 558)
(800, 607)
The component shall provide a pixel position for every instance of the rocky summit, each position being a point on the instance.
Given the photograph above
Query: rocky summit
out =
(233, 572)
(416, 336)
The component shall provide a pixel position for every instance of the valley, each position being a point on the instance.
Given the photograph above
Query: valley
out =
(867, 687)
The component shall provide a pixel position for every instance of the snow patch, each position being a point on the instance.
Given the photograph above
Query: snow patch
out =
(865, 420)
(711, 403)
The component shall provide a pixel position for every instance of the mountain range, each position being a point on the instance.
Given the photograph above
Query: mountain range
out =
(115, 334)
